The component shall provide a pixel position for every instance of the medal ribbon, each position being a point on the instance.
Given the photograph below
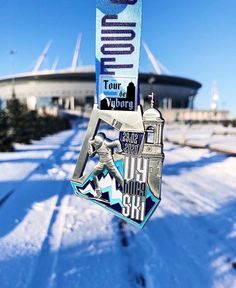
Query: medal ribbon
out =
(118, 33)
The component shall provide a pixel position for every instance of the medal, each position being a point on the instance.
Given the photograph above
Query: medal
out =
(125, 143)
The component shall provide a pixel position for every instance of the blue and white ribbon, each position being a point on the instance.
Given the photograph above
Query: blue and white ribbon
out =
(118, 36)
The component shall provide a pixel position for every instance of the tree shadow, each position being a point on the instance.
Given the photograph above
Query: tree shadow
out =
(28, 191)
(14, 209)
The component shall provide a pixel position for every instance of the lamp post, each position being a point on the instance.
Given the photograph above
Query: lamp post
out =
(151, 81)
(12, 56)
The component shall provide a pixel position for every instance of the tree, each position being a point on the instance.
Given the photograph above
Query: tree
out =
(5, 133)
(19, 120)
(28, 125)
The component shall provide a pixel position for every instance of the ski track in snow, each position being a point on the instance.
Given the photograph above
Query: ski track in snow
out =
(51, 238)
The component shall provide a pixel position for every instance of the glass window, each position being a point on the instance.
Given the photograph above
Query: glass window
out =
(150, 135)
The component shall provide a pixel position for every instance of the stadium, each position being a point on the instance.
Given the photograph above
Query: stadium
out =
(74, 87)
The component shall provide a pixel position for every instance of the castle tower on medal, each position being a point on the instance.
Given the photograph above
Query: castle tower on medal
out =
(131, 93)
(153, 147)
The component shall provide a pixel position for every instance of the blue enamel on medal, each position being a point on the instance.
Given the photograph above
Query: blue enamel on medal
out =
(124, 143)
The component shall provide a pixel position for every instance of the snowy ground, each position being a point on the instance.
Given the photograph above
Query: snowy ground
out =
(51, 238)
(214, 137)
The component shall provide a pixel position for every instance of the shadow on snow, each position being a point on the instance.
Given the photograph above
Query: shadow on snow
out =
(180, 167)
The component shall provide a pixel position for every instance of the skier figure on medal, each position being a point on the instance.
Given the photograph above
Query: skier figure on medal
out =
(104, 148)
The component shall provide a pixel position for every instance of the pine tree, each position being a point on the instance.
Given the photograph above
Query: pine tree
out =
(20, 123)
(28, 125)
(5, 133)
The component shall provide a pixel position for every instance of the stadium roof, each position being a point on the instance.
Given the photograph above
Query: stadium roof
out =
(89, 76)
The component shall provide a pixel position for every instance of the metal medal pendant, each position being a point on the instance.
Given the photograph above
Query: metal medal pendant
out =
(126, 178)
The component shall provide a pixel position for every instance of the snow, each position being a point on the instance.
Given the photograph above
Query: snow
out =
(215, 137)
(51, 238)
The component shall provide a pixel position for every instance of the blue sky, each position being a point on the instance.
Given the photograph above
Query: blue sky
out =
(195, 39)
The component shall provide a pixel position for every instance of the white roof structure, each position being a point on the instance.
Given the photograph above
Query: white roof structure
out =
(79, 82)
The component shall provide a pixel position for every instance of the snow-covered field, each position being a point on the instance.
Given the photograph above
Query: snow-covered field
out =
(51, 238)
(214, 137)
